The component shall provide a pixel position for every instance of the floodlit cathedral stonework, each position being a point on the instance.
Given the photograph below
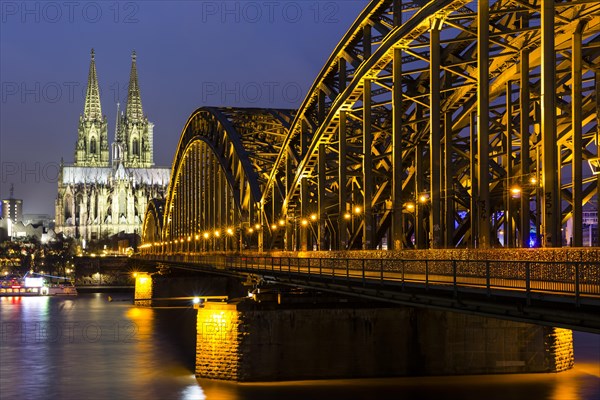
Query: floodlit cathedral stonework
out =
(100, 196)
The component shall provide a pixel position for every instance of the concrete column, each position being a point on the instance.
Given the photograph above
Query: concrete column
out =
(420, 214)
(597, 82)
(397, 226)
(397, 9)
(202, 194)
(524, 106)
(509, 234)
(474, 212)
(343, 193)
(448, 173)
(211, 202)
(290, 237)
(435, 136)
(577, 122)
(483, 101)
(367, 165)
(261, 221)
(304, 215)
(367, 242)
(322, 222)
(550, 183)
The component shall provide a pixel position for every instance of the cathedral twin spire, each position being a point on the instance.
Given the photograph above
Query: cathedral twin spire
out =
(92, 109)
(133, 132)
(134, 100)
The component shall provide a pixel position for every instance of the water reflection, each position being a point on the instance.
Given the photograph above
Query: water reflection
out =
(89, 348)
(573, 385)
(192, 392)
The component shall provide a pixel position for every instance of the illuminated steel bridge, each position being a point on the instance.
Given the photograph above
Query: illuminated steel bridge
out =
(434, 124)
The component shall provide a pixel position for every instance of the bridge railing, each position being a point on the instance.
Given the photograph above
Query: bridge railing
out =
(574, 279)
(571, 280)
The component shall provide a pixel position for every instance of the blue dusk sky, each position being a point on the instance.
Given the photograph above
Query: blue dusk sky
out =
(189, 54)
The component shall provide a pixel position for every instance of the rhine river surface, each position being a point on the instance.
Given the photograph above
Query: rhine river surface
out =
(89, 348)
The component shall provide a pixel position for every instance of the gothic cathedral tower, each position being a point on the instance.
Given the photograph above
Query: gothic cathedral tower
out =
(91, 149)
(134, 134)
(96, 200)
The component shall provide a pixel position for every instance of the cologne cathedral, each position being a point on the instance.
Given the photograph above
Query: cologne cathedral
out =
(101, 196)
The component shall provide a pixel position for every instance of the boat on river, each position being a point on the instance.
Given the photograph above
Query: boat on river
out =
(44, 285)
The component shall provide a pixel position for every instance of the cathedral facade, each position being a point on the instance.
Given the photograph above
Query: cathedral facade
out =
(106, 190)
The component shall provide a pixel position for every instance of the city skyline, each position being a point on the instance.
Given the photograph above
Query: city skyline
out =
(199, 61)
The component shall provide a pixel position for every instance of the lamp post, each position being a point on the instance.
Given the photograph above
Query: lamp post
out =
(216, 238)
(307, 225)
(303, 234)
(350, 216)
(422, 216)
(535, 183)
(229, 232)
(514, 196)
(348, 219)
(410, 208)
(205, 244)
(293, 245)
(249, 232)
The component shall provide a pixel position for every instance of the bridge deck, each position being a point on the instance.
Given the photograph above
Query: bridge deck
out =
(553, 293)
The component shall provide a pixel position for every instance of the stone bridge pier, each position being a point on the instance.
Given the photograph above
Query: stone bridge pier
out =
(246, 340)
(177, 287)
(290, 334)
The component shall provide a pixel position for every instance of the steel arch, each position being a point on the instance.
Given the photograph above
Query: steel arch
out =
(219, 168)
(153, 222)
(339, 93)
(446, 123)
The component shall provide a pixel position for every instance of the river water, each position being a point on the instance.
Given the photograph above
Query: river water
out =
(89, 348)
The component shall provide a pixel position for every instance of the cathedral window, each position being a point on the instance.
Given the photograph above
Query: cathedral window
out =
(93, 146)
(136, 147)
(68, 208)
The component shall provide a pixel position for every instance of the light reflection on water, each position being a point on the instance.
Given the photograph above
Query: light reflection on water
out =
(572, 385)
(89, 348)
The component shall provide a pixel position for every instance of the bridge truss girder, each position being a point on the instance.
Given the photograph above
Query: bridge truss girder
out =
(153, 222)
(365, 143)
(445, 123)
(217, 176)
